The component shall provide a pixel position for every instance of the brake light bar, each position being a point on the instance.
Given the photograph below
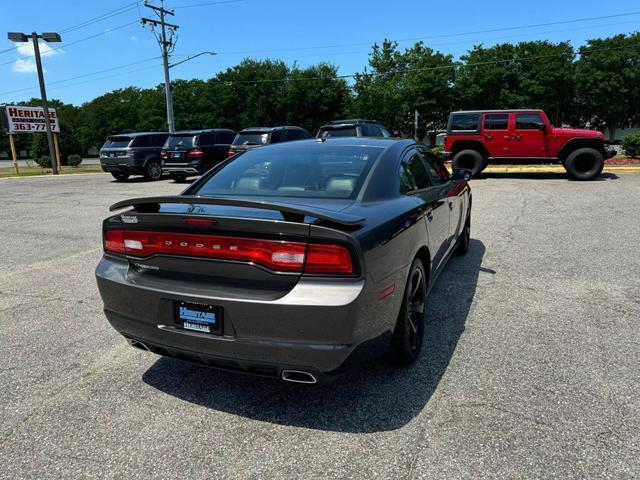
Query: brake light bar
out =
(195, 153)
(163, 154)
(274, 254)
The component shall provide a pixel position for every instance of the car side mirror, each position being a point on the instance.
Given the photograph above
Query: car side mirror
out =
(460, 174)
(542, 128)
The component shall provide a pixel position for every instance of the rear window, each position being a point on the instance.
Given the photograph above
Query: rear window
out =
(339, 132)
(181, 141)
(117, 142)
(464, 122)
(251, 138)
(312, 171)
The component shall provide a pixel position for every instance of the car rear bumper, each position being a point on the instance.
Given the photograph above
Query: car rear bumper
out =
(128, 167)
(319, 327)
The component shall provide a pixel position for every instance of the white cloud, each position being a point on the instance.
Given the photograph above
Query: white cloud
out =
(24, 66)
(26, 49)
(28, 64)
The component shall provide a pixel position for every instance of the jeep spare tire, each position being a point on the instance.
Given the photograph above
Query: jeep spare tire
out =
(584, 164)
(469, 159)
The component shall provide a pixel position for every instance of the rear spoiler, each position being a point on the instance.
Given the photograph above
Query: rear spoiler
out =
(294, 213)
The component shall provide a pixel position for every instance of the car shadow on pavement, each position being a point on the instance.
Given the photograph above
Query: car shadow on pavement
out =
(376, 397)
(541, 176)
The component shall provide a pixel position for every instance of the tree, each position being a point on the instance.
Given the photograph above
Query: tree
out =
(536, 74)
(608, 76)
(399, 83)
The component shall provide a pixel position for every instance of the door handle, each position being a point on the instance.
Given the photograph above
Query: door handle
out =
(517, 137)
(488, 136)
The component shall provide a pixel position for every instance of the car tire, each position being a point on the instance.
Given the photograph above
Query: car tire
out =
(120, 177)
(179, 178)
(584, 164)
(469, 159)
(408, 334)
(464, 239)
(153, 171)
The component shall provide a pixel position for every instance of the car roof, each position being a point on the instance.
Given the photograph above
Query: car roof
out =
(345, 141)
(269, 129)
(206, 130)
(348, 121)
(137, 134)
(515, 110)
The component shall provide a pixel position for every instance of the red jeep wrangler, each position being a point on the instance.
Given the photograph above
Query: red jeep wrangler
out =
(476, 138)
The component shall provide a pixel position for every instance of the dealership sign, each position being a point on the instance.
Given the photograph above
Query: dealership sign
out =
(30, 119)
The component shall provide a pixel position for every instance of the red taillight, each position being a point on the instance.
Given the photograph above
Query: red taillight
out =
(163, 154)
(273, 254)
(232, 152)
(195, 153)
(328, 259)
(114, 241)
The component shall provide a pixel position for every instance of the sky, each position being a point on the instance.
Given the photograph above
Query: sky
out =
(104, 47)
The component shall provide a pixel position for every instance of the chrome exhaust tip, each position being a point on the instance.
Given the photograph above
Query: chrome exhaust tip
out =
(138, 344)
(297, 376)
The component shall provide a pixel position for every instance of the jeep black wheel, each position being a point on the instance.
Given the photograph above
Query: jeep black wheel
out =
(406, 344)
(469, 159)
(121, 177)
(153, 171)
(584, 164)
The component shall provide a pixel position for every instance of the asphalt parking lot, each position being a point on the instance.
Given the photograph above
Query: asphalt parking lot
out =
(531, 367)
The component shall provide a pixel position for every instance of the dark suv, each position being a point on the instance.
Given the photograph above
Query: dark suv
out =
(193, 152)
(353, 127)
(133, 154)
(260, 136)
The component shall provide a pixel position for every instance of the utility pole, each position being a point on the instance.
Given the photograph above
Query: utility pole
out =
(416, 117)
(166, 46)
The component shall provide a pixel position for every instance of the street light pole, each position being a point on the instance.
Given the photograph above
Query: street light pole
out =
(45, 105)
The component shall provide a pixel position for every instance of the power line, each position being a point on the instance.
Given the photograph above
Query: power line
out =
(206, 4)
(444, 35)
(118, 11)
(82, 75)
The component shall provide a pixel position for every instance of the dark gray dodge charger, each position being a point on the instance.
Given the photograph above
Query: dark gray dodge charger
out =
(295, 260)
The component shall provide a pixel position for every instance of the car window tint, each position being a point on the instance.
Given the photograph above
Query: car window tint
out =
(157, 140)
(465, 122)
(251, 138)
(528, 121)
(226, 137)
(437, 171)
(413, 174)
(371, 130)
(276, 136)
(206, 139)
(339, 132)
(316, 171)
(117, 142)
(141, 141)
(180, 141)
(496, 121)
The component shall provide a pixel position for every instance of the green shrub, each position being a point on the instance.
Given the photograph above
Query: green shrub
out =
(631, 145)
(74, 160)
(438, 150)
(44, 161)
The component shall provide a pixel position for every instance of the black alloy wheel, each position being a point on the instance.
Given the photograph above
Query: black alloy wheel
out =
(406, 344)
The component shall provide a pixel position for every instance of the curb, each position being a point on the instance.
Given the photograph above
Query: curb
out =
(554, 169)
(53, 176)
